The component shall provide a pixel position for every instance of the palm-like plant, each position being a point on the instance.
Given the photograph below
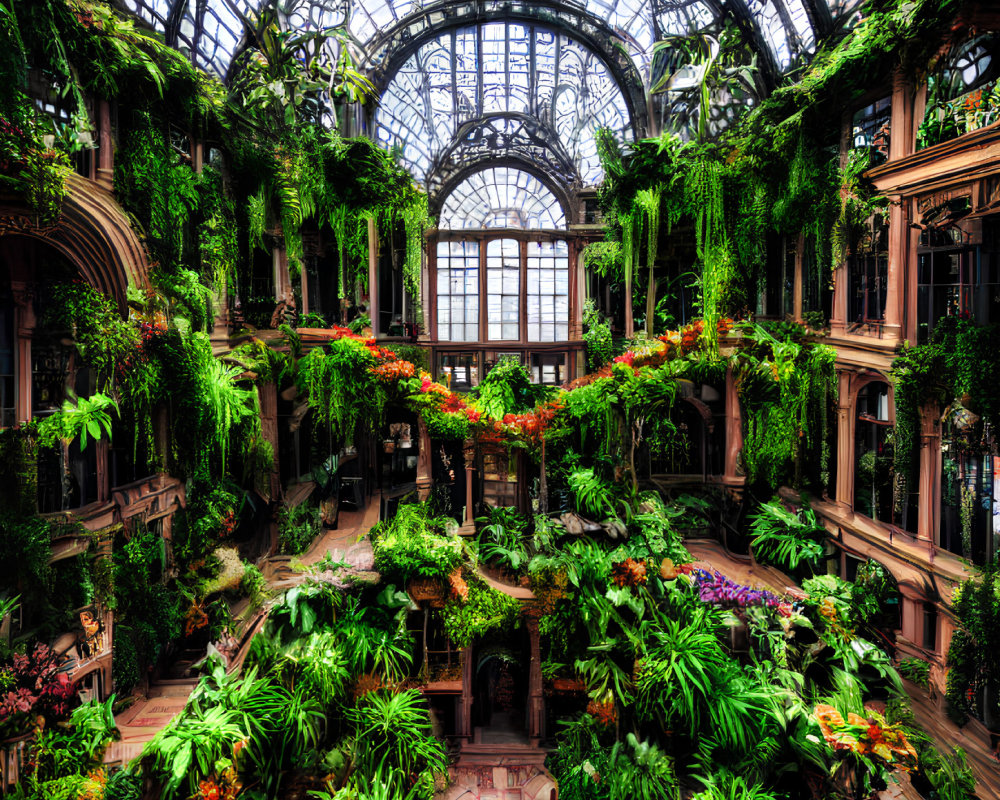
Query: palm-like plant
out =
(786, 538)
(186, 750)
(286, 73)
(393, 739)
(678, 678)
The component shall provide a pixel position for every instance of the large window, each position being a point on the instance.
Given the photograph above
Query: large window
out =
(958, 276)
(868, 275)
(525, 282)
(548, 291)
(871, 129)
(503, 290)
(458, 291)
(502, 71)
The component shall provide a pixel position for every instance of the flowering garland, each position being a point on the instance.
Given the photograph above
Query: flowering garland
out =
(867, 737)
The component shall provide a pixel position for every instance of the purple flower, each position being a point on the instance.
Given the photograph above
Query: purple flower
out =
(717, 589)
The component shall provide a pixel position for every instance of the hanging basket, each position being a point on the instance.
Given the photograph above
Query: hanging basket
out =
(426, 589)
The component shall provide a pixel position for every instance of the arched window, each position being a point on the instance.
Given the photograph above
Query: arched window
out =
(502, 197)
(962, 96)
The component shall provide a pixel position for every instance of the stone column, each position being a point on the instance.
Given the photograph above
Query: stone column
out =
(929, 481)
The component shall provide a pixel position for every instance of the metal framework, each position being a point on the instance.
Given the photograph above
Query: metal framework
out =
(784, 30)
(502, 197)
(511, 84)
(516, 90)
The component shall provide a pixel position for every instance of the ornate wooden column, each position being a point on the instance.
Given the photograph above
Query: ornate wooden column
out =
(105, 173)
(268, 394)
(463, 723)
(929, 481)
(24, 328)
(845, 440)
(899, 238)
(469, 519)
(424, 467)
(734, 428)
(536, 697)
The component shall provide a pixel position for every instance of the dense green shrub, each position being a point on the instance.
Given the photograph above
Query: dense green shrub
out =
(413, 544)
(597, 335)
(298, 526)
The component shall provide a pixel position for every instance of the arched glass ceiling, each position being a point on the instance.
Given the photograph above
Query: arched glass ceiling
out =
(502, 197)
(500, 69)
(210, 29)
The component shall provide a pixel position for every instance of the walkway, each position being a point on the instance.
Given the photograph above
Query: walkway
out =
(166, 698)
(709, 554)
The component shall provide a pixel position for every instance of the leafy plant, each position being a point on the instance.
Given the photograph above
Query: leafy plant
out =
(485, 609)
(787, 539)
(916, 670)
(597, 335)
(393, 740)
(298, 527)
(412, 544)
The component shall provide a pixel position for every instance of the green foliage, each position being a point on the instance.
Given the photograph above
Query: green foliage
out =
(974, 653)
(188, 748)
(787, 539)
(159, 189)
(916, 670)
(394, 741)
(76, 420)
(954, 365)
(253, 584)
(507, 389)
(485, 609)
(298, 526)
(597, 335)
(501, 537)
(18, 469)
(77, 745)
(785, 387)
(412, 544)
(341, 388)
(25, 548)
(595, 497)
(124, 662)
(145, 609)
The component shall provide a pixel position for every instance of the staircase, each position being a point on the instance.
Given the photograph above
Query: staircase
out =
(501, 771)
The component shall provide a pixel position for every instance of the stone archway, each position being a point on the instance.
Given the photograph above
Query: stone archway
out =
(93, 233)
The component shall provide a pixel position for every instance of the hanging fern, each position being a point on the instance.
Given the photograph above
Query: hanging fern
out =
(415, 220)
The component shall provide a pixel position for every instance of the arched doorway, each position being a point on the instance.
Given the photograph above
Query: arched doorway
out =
(500, 710)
